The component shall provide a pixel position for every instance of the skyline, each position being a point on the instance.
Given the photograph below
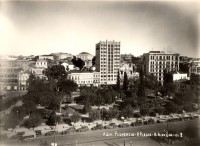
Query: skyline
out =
(44, 27)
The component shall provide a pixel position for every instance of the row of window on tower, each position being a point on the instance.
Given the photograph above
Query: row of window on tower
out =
(168, 57)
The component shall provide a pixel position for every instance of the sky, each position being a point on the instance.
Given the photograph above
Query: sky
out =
(44, 27)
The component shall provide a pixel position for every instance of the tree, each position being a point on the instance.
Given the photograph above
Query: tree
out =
(52, 119)
(75, 117)
(118, 81)
(94, 115)
(33, 121)
(168, 78)
(65, 87)
(113, 113)
(184, 98)
(171, 107)
(184, 67)
(39, 92)
(110, 96)
(141, 93)
(128, 111)
(29, 106)
(31, 80)
(78, 62)
(11, 121)
(168, 88)
(57, 77)
(55, 72)
(151, 82)
(19, 111)
(125, 82)
(93, 60)
(87, 107)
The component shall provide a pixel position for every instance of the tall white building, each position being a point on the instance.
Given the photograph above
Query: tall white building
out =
(157, 61)
(107, 61)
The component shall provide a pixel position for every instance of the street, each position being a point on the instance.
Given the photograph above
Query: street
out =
(114, 137)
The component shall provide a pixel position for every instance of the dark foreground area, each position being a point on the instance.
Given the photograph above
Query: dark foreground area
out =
(187, 134)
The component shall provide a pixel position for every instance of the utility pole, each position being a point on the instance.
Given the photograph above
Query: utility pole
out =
(168, 130)
(55, 136)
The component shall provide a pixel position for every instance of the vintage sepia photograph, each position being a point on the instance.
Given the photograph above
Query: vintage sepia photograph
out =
(99, 73)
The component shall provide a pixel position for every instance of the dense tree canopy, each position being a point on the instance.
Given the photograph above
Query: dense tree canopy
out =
(78, 62)
(118, 81)
(67, 86)
(141, 93)
(33, 121)
(93, 60)
(11, 121)
(97, 96)
(94, 115)
(75, 117)
(39, 92)
(55, 72)
(151, 82)
(125, 82)
(53, 119)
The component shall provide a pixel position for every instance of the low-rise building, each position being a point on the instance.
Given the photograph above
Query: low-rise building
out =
(81, 78)
(182, 85)
(9, 73)
(88, 63)
(84, 56)
(129, 68)
(44, 57)
(84, 78)
(194, 66)
(126, 57)
(41, 63)
(59, 56)
(23, 77)
(38, 72)
(96, 78)
(177, 75)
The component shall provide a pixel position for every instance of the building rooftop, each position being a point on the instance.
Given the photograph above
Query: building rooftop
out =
(78, 71)
(85, 53)
(41, 60)
(160, 52)
(177, 72)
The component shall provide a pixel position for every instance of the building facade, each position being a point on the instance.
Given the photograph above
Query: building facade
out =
(84, 56)
(194, 66)
(157, 61)
(179, 76)
(126, 57)
(59, 56)
(129, 68)
(41, 63)
(108, 61)
(84, 78)
(9, 73)
(23, 77)
(43, 57)
(96, 79)
(81, 78)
